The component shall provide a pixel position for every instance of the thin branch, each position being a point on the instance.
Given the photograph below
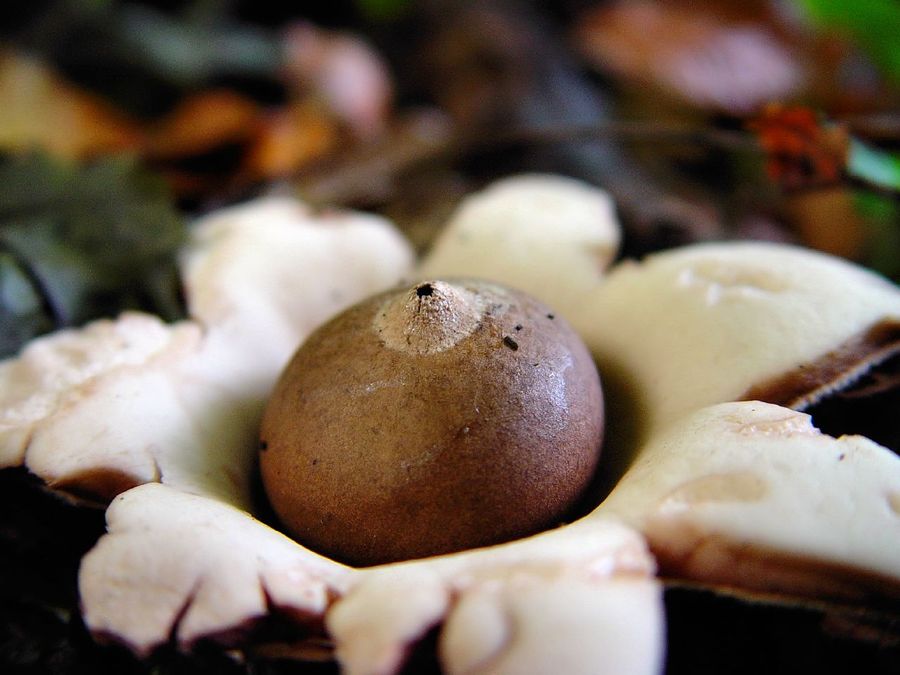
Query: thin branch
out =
(635, 132)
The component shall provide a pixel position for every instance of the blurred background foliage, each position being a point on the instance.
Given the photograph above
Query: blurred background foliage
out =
(706, 119)
(873, 24)
(122, 120)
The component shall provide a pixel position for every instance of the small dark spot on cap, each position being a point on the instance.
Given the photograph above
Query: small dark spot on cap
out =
(263, 446)
(509, 342)
(551, 316)
(314, 462)
(518, 326)
(424, 290)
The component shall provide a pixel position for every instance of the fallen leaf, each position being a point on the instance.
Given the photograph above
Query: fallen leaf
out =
(873, 166)
(289, 138)
(369, 173)
(219, 140)
(707, 59)
(203, 122)
(873, 24)
(194, 48)
(801, 150)
(83, 241)
(42, 110)
(828, 220)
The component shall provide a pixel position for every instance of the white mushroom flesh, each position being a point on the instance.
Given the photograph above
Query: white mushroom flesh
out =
(175, 564)
(526, 604)
(54, 369)
(751, 495)
(706, 323)
(746, 494)
(550, 236)
(190, 566)
(564, 625)
(263, 275)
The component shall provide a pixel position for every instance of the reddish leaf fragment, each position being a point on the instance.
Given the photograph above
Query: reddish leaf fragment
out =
(801, 150)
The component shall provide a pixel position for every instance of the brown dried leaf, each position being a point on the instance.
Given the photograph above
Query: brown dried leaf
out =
(709, 60)
(257, 144)
(203, 122)
(289, 138)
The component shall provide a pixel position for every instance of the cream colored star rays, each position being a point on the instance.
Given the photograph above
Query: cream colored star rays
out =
(162, 420)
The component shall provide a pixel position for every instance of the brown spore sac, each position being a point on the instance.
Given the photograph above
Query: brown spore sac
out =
(431, 428)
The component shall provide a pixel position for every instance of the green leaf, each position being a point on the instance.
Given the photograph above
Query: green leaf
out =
(82, 242)
(882, 217)
(873, 24)
(872, 166)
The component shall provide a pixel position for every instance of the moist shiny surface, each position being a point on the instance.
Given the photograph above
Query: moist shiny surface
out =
(374, 453)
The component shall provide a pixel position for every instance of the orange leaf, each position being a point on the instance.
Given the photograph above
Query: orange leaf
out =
(801, 151)
(42, 110)
(203, 122)
(289, 138)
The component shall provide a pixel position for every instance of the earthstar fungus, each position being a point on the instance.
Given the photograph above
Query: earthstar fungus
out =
(742, 495)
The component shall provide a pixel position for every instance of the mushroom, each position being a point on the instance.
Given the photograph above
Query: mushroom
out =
(581, 598)
(711, 323)
(97, 410)
(745, 494)
(262, 275)
(524, 591)
(192, 567)
(547, 235)
(751, 496)
(94, 411)
(432, 419)
(189, 567)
